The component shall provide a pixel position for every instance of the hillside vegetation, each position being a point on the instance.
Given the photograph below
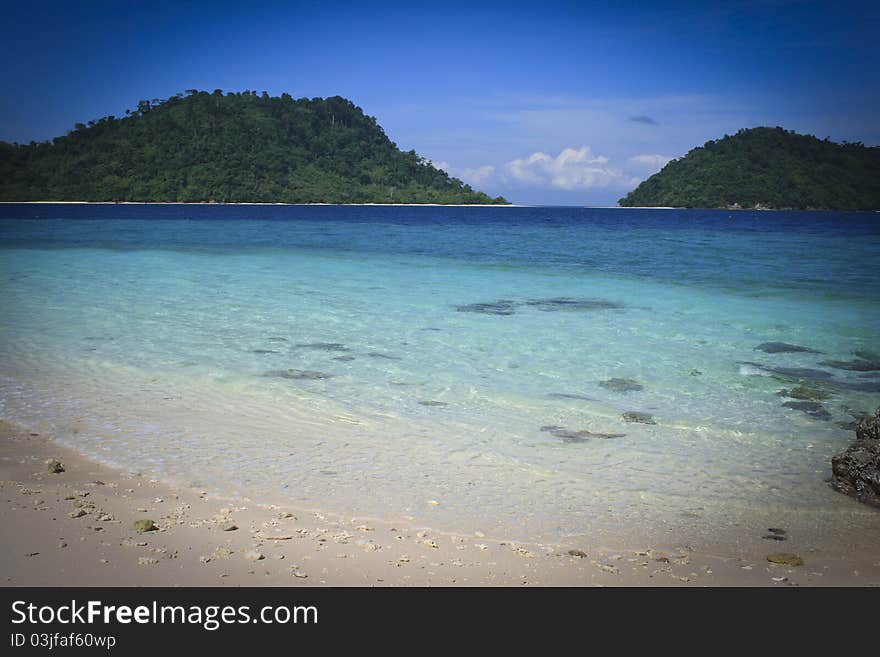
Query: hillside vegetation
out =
(233, 147)
(767, 168)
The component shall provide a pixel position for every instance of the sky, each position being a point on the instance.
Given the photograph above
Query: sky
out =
(557, 103)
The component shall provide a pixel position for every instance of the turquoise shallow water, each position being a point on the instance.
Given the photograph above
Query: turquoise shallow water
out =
(399, 361)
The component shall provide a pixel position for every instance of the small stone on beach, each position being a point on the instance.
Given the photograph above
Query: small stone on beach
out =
(145, 525)
(54, 466)
(785, 559)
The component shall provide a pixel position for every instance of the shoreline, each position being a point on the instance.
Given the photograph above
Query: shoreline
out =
(425, 205)
(288, 546)
(388, 205)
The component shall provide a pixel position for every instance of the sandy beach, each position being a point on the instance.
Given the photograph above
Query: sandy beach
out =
(76, 528)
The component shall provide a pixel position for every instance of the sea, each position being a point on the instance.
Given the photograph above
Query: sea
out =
(531, 373)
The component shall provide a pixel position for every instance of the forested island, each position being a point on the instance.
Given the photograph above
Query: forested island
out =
(767, 168)
(229, 148)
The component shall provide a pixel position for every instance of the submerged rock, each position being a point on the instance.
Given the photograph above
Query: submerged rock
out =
(344, 359)
(570, 436)
(307, 375)
(377, 354)
(861, 386)
(784, 348)
(640, 418)
(565, 303)
(565, 395)
(791, 372)
(811, 408)
(806, 392)
(431, 402)
(323, 346)
(867, 355)
(856, 365)
(622, 385)
(502, 307)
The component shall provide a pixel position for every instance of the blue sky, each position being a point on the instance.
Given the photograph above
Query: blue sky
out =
(543, 102)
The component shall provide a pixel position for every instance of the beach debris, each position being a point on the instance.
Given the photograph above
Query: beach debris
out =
(254, 555)
(776, 534)
(622, 385)
(580, 554)
(640, 418)
(566, 395)
(784, 348)
(79, 513)
(431, 402)
(145, 525)
(785, 559)
(147, 561)
(285, 514)
(607, 568)
(431, 544)
(229, 527)
(344, 359)
(54, 466)
(296, 572)
(264, 351)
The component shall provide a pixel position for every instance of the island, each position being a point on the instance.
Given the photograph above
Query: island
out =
(766, 168)
(201, 147)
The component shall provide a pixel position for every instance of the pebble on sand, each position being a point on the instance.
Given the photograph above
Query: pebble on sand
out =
(785, 559)
(145, 525)
(55, 466)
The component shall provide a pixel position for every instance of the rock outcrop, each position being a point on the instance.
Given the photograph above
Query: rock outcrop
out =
(856, 471)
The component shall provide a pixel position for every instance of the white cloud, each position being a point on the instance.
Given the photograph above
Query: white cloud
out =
(571, 169)
(472, 176)
(477, 176)
(648, 163)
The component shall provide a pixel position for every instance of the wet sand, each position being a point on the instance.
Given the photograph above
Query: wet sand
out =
(76, 528)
